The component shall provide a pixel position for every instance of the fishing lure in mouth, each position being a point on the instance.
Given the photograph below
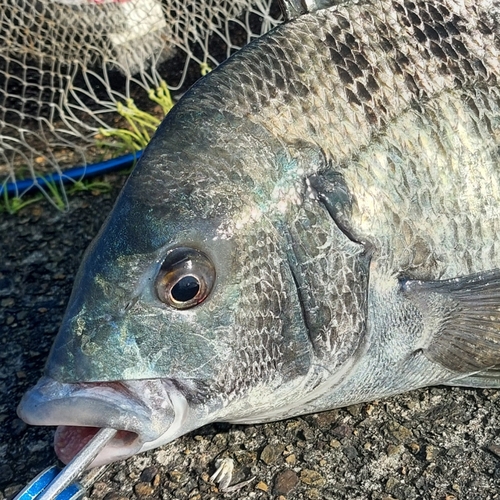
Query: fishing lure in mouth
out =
(54, 483)
(72, 481)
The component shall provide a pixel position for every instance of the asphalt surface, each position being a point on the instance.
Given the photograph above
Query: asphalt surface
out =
(436, 443)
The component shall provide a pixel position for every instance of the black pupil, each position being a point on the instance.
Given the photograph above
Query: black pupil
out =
(185, 289)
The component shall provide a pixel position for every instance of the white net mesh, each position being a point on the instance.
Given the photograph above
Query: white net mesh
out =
(70, 68)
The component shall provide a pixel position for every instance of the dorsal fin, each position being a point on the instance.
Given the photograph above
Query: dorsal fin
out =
(295, 8)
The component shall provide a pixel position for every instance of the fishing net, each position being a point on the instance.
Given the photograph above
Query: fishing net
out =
(86, 80)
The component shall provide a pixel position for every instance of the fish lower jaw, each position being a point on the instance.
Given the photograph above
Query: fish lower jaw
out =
(70, 440)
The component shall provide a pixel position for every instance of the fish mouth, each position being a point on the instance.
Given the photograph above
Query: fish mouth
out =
(71, 439)
(146, 413)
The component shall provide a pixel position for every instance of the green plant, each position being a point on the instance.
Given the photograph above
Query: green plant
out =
(162, 97)
(57, 195)
(205, 69)
(142, 124)
(94, 186)
(12, 204)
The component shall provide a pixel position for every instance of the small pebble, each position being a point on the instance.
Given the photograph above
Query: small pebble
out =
(148, 474)
(271, 453)
(393, 450)
(11, 491)
(369, 409)
(431, 452)
(6, 473)
(313, 494)
(113, 495)
(391, 484)
(143, 489)
(495, 449)
(21, 315)
(18, 427)
(219, 440)
(354, 410)
(327, 418)
(350, 452)
(453, 451)
(175, 476)
(342, 431)
(119, 477)
(99, 489)
(163, 457)
(312, 478)
(414, 447)
(285, 482)
(245, 457)
(401, 433)
(262, 486)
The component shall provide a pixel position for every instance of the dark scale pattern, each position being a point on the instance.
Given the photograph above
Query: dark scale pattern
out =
(425, 444)
(356, 68)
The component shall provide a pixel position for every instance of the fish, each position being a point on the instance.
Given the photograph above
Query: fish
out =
(315, 224)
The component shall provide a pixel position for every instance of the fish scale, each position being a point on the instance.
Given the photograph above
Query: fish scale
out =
(401, 66)
(455, 192)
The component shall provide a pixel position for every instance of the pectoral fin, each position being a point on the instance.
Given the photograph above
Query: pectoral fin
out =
(462, 322)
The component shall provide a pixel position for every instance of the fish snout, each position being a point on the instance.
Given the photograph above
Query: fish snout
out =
(142, 411)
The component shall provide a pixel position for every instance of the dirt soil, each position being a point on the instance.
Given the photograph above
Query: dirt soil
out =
(435, 443)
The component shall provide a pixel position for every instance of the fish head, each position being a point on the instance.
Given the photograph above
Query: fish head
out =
(183, 311)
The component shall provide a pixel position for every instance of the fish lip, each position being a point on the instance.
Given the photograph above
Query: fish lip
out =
(108, 404)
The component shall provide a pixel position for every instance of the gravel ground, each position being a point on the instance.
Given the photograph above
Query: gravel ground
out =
(436, 443)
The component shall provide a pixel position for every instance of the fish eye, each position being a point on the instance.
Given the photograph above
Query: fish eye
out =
(186, 278)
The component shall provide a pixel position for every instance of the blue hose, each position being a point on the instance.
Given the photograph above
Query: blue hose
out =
(73, 174)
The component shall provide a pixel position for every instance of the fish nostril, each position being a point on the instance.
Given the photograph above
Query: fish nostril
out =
(105, 319)
(129, 305)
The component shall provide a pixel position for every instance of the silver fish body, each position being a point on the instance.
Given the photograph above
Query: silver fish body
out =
(315, 224)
